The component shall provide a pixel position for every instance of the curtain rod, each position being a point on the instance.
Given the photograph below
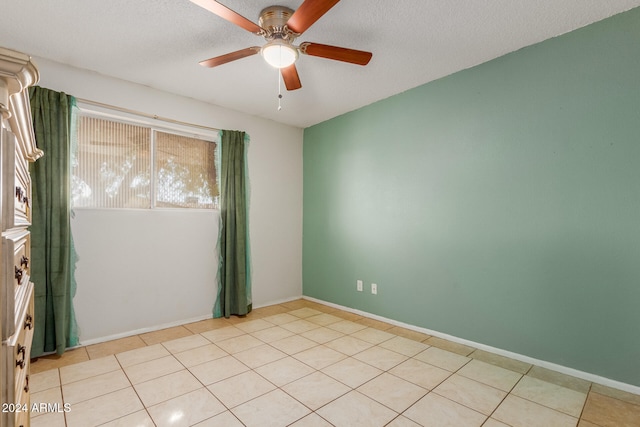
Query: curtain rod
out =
(147, 115)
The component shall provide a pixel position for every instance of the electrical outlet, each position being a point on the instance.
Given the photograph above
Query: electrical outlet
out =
(359, 285)
(374, 289)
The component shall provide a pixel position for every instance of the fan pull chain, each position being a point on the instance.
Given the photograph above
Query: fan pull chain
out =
(279, 91)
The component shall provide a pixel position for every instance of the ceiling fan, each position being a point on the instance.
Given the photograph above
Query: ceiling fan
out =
(280, 26)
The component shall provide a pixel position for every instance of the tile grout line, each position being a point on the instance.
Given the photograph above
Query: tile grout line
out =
(585, 404)
(62, 395)
(471, 379)
(134, 390)
(503, 399)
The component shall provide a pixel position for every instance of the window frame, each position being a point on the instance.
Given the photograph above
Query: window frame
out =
(155, 124)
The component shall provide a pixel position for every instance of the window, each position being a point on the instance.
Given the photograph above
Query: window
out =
(185, 172)
(122, 164)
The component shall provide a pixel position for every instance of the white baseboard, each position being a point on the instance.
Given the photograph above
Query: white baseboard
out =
(280, 301)
(84, 343)
(154, 328)
(542, 363)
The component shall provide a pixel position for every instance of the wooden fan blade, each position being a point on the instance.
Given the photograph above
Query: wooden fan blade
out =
(336, 53)
(223, 59)
(228, 14)
(290, 77)
(308, 13)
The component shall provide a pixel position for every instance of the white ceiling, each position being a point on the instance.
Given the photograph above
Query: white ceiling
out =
(159, 44)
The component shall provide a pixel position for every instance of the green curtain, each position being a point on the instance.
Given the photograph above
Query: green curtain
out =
(234, 268)
(52, 252)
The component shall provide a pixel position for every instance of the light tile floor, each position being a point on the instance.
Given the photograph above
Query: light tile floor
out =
(304, 364)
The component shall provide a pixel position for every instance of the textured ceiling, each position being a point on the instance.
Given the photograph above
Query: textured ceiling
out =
(159, 44)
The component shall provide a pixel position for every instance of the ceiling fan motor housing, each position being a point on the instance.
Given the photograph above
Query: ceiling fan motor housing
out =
(273, 20)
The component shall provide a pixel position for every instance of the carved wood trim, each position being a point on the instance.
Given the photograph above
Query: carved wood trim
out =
(17, 74)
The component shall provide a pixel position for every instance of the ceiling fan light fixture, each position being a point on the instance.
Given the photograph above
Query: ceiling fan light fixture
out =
(279, 54)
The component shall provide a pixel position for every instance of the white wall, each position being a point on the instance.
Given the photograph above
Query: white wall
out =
(139, 270)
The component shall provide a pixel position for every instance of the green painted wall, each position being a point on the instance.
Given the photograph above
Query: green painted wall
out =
(500, 204)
